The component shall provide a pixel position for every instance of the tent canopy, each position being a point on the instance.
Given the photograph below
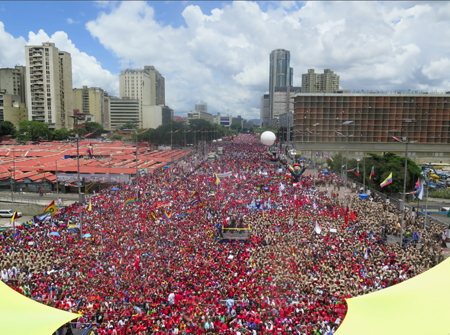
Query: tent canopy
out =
(21, 315)
(417, 306)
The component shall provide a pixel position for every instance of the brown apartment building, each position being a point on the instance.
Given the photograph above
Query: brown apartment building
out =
(376, 119)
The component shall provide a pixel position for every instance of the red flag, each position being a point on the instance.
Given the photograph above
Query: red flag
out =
(353, 216)
(346, 218)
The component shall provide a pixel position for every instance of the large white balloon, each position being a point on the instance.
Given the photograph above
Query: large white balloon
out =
(268, 138)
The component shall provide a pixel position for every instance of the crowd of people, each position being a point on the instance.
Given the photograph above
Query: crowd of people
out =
(153, 260)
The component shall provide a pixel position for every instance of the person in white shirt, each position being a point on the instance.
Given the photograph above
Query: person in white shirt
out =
(171, 298)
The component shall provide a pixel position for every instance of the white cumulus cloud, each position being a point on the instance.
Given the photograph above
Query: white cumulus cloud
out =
(222, 57)
(86, 70)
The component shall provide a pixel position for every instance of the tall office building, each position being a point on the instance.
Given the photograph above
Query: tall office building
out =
(91, 100)
(279, 73)
(201, 106)
(49, 96)
(325, 82)
(158, 98)
(13, 81)
(147, 85)
(122, 111)
(264, 113)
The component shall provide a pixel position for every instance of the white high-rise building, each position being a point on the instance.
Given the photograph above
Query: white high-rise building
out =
(49, 96)
(201, 106)
(147, 86)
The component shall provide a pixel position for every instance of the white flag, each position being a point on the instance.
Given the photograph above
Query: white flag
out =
(281, 188)
(366, 254)
(291, 221)
(317, 229)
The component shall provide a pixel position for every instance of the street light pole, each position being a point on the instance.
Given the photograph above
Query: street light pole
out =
(137, 167)
(79, 186)
(80, 200)
(346, 123)
(171, 142)
(364, 175)
(404, 179)
(12, 187)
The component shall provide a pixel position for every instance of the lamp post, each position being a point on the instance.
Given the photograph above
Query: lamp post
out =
(12, 187)
(407, 121)
(76, 118)
(346, 123)
(364, 174)
(315, 133)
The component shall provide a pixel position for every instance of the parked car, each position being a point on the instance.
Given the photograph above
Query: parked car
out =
(8, 213)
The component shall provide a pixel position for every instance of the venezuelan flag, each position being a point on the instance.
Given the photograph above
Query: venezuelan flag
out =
(372, 174)
(289, 167)
(129, 201)
(28, 236)
(271, 155)
(387, 181)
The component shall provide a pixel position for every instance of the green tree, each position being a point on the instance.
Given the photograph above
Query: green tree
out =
(383, 166)
(93, 127)
(236, 126)
(144, 135)
(7, 128)
(60, 134)
(116, 137)
(33, 130)
(129, 125)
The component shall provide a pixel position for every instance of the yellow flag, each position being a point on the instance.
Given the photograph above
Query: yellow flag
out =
(90, 205)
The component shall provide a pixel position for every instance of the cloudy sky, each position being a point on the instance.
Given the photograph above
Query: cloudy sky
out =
(218, 52)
